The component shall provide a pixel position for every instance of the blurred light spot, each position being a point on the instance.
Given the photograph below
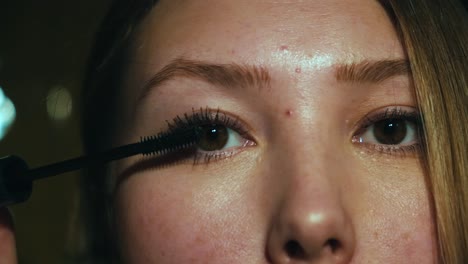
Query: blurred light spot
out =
(316, 218)
(59, 103)
(7, 114)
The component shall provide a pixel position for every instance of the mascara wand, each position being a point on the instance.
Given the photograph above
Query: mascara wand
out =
(16, 178)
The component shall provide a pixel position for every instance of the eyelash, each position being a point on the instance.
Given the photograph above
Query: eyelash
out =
(392, 113)
(209, 116)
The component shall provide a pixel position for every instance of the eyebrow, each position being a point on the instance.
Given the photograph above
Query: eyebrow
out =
(227, 75)
(235, 75)
(372, 71)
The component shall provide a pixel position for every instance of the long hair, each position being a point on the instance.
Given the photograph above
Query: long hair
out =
(434, 34)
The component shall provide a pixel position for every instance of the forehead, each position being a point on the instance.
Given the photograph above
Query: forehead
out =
(259, 31)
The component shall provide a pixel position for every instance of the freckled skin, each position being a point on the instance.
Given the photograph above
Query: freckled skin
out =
(304, 180)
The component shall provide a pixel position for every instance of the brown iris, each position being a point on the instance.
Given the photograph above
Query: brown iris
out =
(390, 131)
(212, 137)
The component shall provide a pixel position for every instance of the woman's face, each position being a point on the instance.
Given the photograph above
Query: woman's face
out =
(310, 151)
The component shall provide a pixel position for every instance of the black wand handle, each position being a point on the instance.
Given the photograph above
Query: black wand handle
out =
(16, 178)
(13, 187)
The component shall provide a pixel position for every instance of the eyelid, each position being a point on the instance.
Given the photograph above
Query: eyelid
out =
(213, 115)
(208, 156)
(384, 113)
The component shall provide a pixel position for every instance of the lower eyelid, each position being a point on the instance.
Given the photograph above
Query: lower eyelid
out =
(208, 156)
(413, 150)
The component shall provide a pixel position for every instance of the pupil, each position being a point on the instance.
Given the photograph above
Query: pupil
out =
(390, 131)
(213, 137)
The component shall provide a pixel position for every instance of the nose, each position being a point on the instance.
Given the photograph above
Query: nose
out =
(311, 226)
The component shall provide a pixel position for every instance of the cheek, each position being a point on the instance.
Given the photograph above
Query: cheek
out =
(397, 239)
(175, 222)
(400, 225)
(421, 240)
(409, 239)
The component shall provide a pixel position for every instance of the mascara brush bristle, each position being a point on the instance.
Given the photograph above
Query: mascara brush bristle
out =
(165, 143)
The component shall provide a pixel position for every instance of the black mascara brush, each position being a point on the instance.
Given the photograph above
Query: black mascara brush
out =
(16, 179)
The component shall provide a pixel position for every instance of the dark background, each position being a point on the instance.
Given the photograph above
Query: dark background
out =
(43, 47)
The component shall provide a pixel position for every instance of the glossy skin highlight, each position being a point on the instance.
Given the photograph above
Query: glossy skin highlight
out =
(304, 184)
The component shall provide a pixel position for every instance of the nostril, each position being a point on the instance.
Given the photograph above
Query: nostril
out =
(294, 249)
(334, 244)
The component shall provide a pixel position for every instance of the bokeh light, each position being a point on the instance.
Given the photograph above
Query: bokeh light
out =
(7, 114)
(59, 103)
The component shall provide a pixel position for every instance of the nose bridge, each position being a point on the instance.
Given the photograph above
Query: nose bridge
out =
(311, 223)
(312, 195)
(311, 161)
(308, 158)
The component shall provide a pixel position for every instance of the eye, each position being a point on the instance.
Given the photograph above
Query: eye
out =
(214, 137)
(220, 134)
(394, 129)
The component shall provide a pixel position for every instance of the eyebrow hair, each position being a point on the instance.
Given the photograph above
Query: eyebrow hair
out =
(227, 75)
(236, 75)
(372, 71)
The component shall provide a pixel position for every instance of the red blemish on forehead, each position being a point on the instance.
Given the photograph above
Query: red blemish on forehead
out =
(288, 112)
(283, 47)
(298, 70)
